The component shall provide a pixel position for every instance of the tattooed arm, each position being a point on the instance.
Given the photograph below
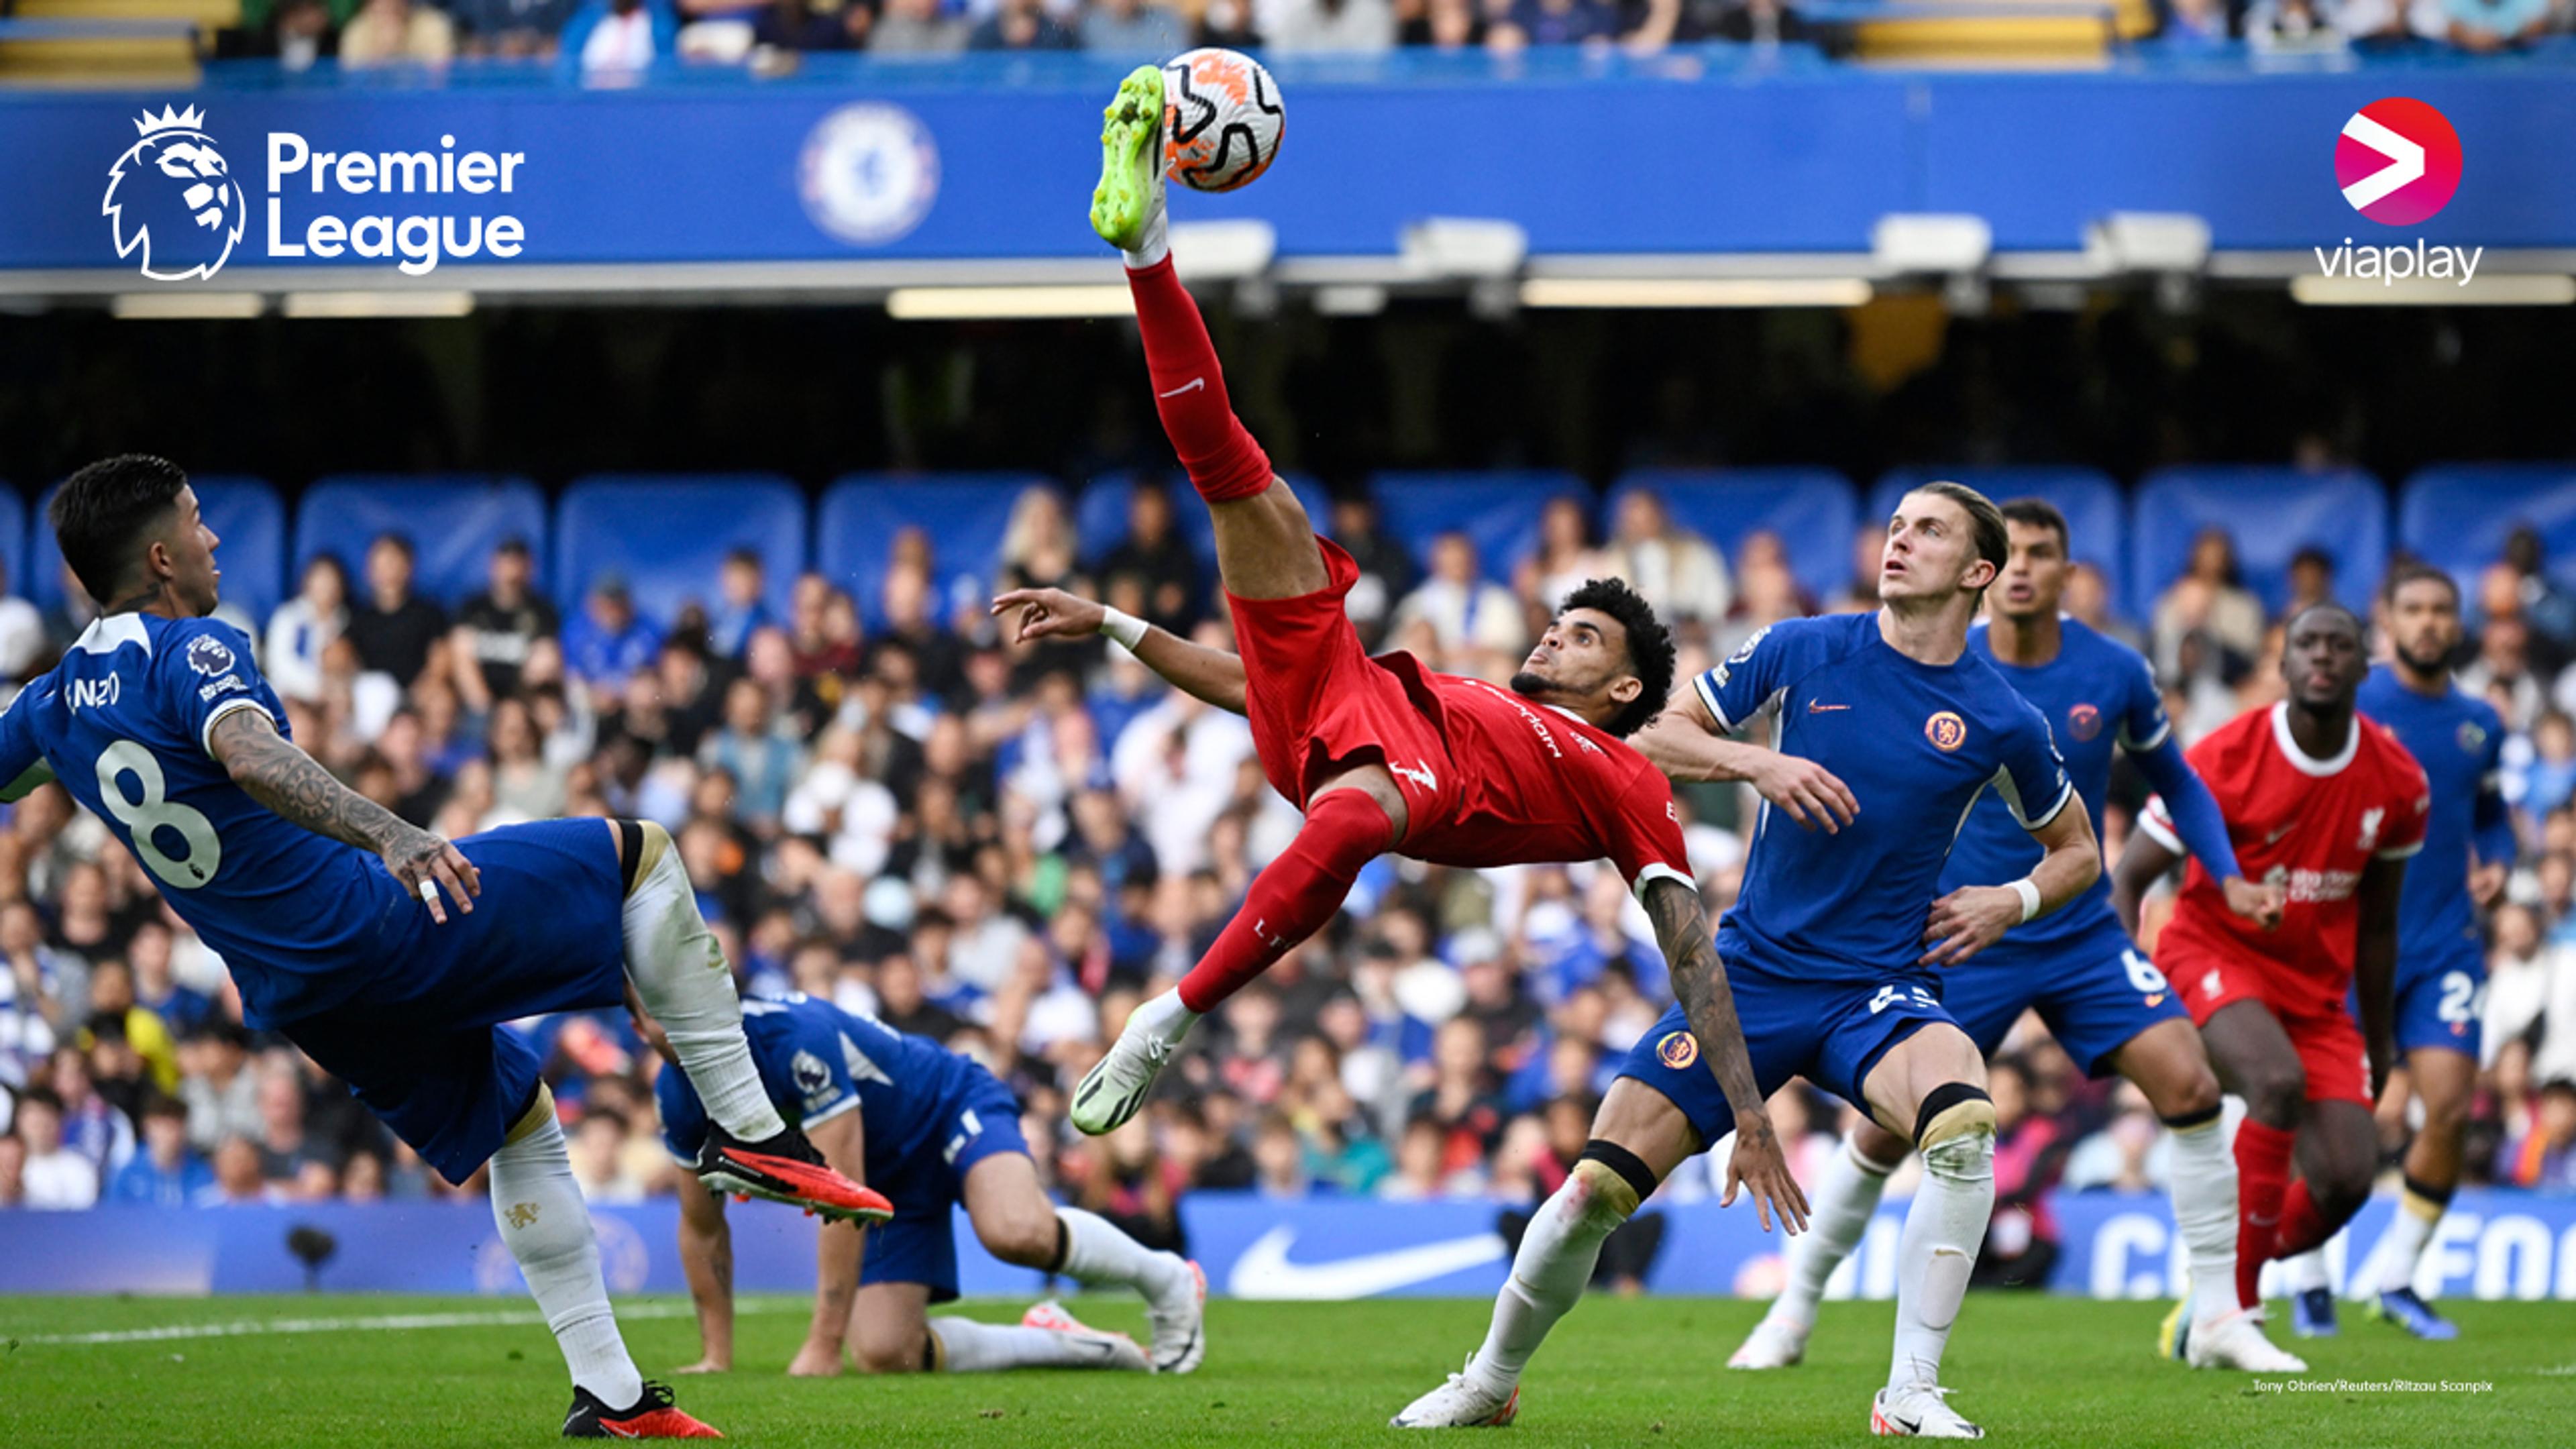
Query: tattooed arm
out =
(1699, 981)
(272, 771)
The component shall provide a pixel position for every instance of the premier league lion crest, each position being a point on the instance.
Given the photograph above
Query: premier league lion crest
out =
(172, 198)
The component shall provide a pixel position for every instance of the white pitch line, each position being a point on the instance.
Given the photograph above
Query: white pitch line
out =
(382, 1323)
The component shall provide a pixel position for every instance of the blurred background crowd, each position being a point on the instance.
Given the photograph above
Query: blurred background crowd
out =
(1001, 846)
(616, 36)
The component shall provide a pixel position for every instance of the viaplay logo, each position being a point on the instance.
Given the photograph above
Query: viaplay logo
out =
(2398, 161)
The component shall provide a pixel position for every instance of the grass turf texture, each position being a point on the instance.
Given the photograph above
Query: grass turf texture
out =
(2034, 1370)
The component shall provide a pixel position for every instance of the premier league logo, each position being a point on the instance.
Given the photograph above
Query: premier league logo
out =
(172, 197)
(207, 655)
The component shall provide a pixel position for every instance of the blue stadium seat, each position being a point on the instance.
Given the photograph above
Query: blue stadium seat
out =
(1499, 511)
(963, 514)
(2096, 515)
(2272, 513)
(1811, 509)
(453, 522)
(1101, 517)
(245, 515)
(13, 541)
(668, 534)
(2457, 516)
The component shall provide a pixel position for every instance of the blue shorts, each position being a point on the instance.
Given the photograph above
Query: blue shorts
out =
(423, 1044)
(1830, 1032)
(2441, 1003)
(2095, 993)
(919, 1244)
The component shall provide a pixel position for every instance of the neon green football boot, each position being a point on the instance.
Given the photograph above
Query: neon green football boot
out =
(1127, 205)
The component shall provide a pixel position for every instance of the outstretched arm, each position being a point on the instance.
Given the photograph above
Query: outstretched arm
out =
(2199, 827)
(837, 1249)
(1708, 1003)
(274, 772)
(1211, 676)
(1971, 918)
(1686, 743)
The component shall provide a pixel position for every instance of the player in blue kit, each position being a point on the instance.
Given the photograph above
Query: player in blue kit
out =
(2102, 1000)
(2441, 956)
(1834, 944)
(931, 1130)
(326, 909)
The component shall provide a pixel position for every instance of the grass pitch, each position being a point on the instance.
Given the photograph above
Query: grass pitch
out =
(2033, 1370)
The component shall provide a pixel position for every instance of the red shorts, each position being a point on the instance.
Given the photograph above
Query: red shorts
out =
(1317, 700)
(2328, 1040)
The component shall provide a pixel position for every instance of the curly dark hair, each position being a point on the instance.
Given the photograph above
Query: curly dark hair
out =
(103, 514)
(1650, 648)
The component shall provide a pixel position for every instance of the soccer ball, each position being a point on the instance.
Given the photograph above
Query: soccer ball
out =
(1221, 119)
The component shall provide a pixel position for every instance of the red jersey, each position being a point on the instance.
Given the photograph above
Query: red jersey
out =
(2309, 825)
(1537, 784)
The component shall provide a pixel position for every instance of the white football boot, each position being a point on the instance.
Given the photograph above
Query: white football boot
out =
(1460, 1403)
(1775, 1342)
(1115, 1350)
(1917, 1411)
(2236, 1341)
(1114, 1089)
(1180, 1324)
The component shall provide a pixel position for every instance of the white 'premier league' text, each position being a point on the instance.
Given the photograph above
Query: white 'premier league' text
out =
(422, 241)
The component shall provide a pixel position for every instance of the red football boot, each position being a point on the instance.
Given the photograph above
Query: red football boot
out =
(786, 1168)
(653, 1417)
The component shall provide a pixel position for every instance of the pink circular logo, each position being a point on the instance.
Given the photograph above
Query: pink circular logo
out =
(2398, 161)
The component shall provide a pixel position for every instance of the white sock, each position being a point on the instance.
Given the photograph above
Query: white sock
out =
(1164, 1016)
(1548, 1274)
(1943, 1231)
(1155, 243)
(680, 971)
(974, 1348)
(2402, 1247)
(2304, 1271)
(545, 1225)
(2204, 1208)
(1096, 1252)
(1846, 1198)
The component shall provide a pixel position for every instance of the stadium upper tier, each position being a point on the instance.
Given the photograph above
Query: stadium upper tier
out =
(851, 176)
(666, 536)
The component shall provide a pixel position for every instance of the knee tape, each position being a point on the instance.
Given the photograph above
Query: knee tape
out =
(541, 1110)
(1952, 1111)
(641, 844)
(1616, 1179)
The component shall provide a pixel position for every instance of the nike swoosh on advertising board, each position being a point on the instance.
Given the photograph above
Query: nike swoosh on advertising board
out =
(1265, 1272)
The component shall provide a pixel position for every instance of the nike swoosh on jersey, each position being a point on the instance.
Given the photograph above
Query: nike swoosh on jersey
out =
(1264, 1270)
(1190, 386)
(1815, 707)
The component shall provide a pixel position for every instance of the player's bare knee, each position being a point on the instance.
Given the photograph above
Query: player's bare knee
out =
(2276, 1097)
(1877, 1149)
(1954, 1129)
(893, 1351)
(2445, 1111)
(1027, 1236)
(2187, 1094)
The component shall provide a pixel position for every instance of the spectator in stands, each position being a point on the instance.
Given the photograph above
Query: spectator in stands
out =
(1021, 25)
(2502, 673)
(1553, 22)
(221, 1091)
(1466, 612)
(511, 29)
(1566, 558)
(294, 33)
(303, 627)
(397, 632)
(813, 24)
(2387, 24)
(1232, 24)
(1443, 25)
(2194, 22)
(2542, 1155)
(2547, 608)
(2483, 27)
(1133, 27)
(55, 1176)
(397, 32)
(290, 1157)
(500, 627)
(1350, 27)
(1158, 560)
(27, 1005)
(1759, 22)
(742, 607)
(1386, 567)
(2312, 579)
(1040, 549)
(762, 762)
(609, 643)
(1766, 593)
(22, 632)
(614, 39)
(597, 1150)
(167, 1172)
(916, 27)
(2209, 604)
(1674, 568)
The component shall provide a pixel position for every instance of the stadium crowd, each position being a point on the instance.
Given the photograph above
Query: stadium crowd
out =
(887, 802)
(616, 36)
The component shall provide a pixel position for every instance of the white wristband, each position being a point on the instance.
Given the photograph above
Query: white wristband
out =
(1126, 628)
(2029, 894)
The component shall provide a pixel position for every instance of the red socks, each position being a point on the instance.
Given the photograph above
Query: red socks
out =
(1189, 390)
(2262, 1179)
(1293, 896)
(2302, 1226)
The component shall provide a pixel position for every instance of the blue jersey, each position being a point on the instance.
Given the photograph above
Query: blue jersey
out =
(1917, 744)
(124, 720)
(2458, 740)
(818, 1062)
(2097, 693)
